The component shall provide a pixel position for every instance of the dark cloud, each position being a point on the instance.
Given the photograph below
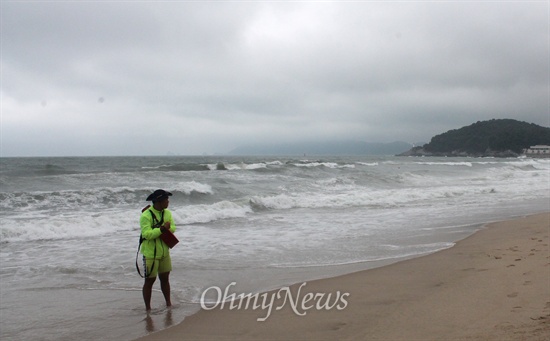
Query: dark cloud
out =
(109, 78)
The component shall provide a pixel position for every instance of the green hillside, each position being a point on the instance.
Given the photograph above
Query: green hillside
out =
(497, 137)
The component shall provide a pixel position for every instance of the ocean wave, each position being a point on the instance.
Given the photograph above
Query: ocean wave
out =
(178, 167)
(40, 170)
(46, 200)
(157, 167)
(194, 214)
(277, 164)
(463, 163)
(215, 196)
(246, 166)
(217, 166)
(356, 196)
(96, 198)
(191, 187)
(380, 198)
(232, 166)
(71, 225)
(313, 164)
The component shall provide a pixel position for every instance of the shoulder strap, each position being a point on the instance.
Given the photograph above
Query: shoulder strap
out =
(157, 223)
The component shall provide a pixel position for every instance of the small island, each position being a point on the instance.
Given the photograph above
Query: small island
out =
(493, 138)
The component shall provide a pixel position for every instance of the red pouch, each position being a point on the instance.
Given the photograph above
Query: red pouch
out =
(169, 238)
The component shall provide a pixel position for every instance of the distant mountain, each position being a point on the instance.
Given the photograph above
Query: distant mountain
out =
(497, 137)
(324, 148)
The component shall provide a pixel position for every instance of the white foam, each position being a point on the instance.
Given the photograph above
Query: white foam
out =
(422, 247)
(416, 250)
(67, 226)
(332, 165)
(359, 196)
(467, 164)
(193, 186)
(157, 167)
(246, 166)
(206, 213)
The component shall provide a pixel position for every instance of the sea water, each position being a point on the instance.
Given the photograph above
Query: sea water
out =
(69, 228)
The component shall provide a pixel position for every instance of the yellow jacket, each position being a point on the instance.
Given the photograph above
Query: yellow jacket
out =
(152, 245)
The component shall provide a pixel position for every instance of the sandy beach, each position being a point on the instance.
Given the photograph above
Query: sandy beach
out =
(493, 285)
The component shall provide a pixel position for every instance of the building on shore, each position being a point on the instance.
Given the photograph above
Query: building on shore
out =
(537, 151)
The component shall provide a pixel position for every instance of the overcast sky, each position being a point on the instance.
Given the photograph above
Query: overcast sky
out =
(147, 78)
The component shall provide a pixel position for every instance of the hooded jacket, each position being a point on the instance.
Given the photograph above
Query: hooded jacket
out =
(152, 245)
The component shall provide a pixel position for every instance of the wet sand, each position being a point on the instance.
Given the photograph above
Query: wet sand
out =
(493, 285)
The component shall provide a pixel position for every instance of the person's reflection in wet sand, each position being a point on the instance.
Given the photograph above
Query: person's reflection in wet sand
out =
(149, 324)
(168, 322)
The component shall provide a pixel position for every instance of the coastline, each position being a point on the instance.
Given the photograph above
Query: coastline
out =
(492, 285)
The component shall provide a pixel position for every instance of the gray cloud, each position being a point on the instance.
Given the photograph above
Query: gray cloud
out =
(112, 78)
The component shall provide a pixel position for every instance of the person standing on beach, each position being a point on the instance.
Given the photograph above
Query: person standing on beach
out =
(154, 221)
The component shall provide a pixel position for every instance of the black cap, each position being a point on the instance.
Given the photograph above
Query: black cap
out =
(158, 195)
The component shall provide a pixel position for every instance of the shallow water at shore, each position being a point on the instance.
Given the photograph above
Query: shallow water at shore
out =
(69, 228)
